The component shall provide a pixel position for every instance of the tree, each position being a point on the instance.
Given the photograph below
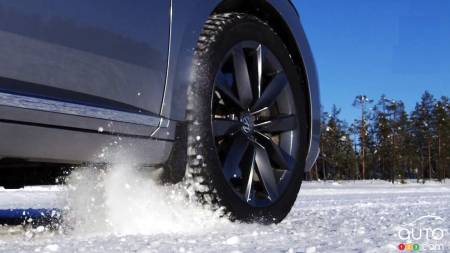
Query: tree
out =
(382, 134)
(337, 156)
(398, 121)
(441, 126)
(405, 146)
(422, 120)
(362, 101)
(386, 141)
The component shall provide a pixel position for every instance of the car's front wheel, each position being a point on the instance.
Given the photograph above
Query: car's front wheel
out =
(247, 126)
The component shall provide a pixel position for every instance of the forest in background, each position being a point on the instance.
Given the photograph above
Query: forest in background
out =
(386, 141)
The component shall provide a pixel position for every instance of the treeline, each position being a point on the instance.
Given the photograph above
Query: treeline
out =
(386, 142)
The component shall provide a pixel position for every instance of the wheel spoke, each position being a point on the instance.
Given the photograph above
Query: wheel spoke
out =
(228, 93)
(219, 108)
(259, 62)
(270, 94)
(225, 126)
(278, 124)
(249, 187)
(270, 65)
(234, 157)
(278, 155)
(266, 172)
(242, 77)
(255, 68)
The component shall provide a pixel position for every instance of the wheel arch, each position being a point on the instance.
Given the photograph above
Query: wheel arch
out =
(187, 23)
(266, 12)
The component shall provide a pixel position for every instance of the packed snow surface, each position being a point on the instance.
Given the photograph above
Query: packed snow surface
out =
(122, 210)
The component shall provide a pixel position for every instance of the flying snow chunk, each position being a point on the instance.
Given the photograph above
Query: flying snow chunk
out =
(232, 240)
(52, 247)
(40, 229)
(311, 250)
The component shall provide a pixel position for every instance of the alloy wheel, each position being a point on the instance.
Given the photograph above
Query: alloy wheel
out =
(254, 123)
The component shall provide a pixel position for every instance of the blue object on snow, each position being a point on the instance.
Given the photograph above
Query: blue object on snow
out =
(29, 213)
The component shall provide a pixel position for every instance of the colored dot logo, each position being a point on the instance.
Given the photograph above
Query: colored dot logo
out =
(408, 247)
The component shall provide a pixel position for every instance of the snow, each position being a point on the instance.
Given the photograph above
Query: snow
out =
(52, 247)
(311, 250)
(232, 240)
(107, 216)
(36, 197)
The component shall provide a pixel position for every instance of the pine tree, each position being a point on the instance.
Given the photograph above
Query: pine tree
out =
(446, 145)
(362, 127)
(397, 123)
(321, 163)
(383, 134)
(337, 154)
(441, 126)
(422, 118)
(405, 146)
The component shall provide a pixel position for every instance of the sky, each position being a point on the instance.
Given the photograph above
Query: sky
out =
(399, 48)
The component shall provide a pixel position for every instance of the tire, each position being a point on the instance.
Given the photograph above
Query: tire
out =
(231, 153)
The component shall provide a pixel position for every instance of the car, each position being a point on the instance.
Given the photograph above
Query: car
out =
(227, 89)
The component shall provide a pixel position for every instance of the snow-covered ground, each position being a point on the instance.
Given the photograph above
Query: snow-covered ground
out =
(120, 212)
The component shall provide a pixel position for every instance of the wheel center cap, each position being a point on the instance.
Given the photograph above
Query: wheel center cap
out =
(247, 123)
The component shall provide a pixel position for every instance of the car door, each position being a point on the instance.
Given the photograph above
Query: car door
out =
(107, 55)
